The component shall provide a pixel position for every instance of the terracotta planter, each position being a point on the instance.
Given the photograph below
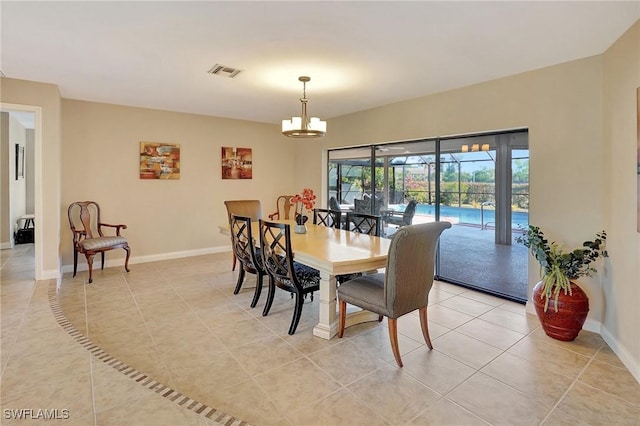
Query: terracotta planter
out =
(566, 323)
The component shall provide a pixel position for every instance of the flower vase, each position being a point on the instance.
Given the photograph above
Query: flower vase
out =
(300, 229)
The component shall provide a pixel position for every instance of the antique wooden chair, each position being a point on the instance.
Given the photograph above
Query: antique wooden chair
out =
(248, 208)
(284, 208)
(403, 287)
(88, 236)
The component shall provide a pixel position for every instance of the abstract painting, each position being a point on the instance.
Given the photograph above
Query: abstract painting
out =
(159, 160)
(236, 163)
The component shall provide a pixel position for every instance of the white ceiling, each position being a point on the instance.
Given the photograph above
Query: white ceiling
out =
(359, 54)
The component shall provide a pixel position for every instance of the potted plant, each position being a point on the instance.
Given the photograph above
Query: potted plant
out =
(561, 305)
(305, 200)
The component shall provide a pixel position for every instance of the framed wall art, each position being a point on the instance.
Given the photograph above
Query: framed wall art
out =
(236, 163)
(19, 161)
(159, 160)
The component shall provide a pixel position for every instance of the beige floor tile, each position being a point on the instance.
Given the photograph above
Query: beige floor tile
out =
(605, 354)
(241, 332)
(614, 380)
(447, 317)
(264, 354)
(447, 413)
(306, 343)
(409, 325)
(466, 305)
(487, 299)
(340, 408)
(529, 377)
(346, 362)
(436, 370)
(597, 407)
(393, 394)
(472, 352)
(248, 401)
(498, 403)
(490, 333)
(587, 343)
(558, 418)
(524, 324)
(556, 359)
(376, 342)
(296, 385)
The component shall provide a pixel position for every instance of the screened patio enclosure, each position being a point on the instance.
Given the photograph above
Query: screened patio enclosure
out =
(479, 183)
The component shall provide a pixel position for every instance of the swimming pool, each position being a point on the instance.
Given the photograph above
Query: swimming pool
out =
(469, 215)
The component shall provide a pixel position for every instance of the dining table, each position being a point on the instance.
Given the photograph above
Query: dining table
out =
(335, 252)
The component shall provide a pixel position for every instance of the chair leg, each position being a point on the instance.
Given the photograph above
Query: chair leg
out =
(75, 261)
(240, 280)
(90, 264)
(297, 313)
(102, 265)
(393, 336)
(425, 326)
(256, 295)
(234, 262)
(342, 317)
(272, 291)
(126, 261)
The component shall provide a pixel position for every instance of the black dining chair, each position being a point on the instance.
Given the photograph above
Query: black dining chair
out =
(328, 218)
(249, 256)
(284, 273)
(363, 224)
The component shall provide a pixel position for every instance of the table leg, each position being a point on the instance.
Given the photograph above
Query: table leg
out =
(327, 326)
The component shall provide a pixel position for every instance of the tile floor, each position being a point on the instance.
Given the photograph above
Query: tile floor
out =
(169, 344)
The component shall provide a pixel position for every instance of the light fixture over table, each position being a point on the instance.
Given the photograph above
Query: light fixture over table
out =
(304, 127)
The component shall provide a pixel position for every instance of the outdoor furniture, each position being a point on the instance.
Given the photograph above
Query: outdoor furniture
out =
(402, 218)
(403, 287)
(88, 237)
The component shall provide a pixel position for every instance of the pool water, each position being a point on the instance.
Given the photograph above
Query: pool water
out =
(470, 215)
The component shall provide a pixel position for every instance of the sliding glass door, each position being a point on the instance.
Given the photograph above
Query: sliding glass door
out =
(479, 183)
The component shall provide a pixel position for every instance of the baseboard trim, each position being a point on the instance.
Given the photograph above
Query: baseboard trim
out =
(6, 245)
(82, 264)
(622, 352)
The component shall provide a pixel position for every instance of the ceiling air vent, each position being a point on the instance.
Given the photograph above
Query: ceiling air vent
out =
(224, 71)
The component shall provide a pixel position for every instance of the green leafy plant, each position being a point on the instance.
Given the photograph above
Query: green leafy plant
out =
(557, 266)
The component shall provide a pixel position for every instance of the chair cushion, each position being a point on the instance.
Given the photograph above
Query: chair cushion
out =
(102, 242)
(366, 291)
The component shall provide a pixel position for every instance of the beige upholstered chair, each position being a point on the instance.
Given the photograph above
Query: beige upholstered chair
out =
(88, 236)
(284, 208)
(405, 284)
(247, 208)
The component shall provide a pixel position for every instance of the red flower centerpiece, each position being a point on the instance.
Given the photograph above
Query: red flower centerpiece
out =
(304, 201)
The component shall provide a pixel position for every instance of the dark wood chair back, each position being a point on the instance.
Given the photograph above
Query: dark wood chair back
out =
(244, 247)
(284, 208)
(328, 218)
(363, 223)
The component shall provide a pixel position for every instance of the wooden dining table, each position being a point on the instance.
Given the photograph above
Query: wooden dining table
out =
(335, 252)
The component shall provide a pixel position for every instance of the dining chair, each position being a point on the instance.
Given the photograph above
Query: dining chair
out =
(284, 273)
(328, 218)
(249, 256)
(247, 208)
(284, 208)
(363, 223)
(403, 287)
(88, 236)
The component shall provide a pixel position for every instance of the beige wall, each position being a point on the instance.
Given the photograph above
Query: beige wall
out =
(46, 98)
(5, 193)
(165, 218)
(562, 106)
(621, 285)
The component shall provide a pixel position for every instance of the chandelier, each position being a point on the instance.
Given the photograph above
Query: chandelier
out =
(304, 127)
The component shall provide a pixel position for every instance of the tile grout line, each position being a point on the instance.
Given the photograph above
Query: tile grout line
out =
(141, 378)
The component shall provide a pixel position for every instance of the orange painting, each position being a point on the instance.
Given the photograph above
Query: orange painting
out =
(236, 163)
(159, 160)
